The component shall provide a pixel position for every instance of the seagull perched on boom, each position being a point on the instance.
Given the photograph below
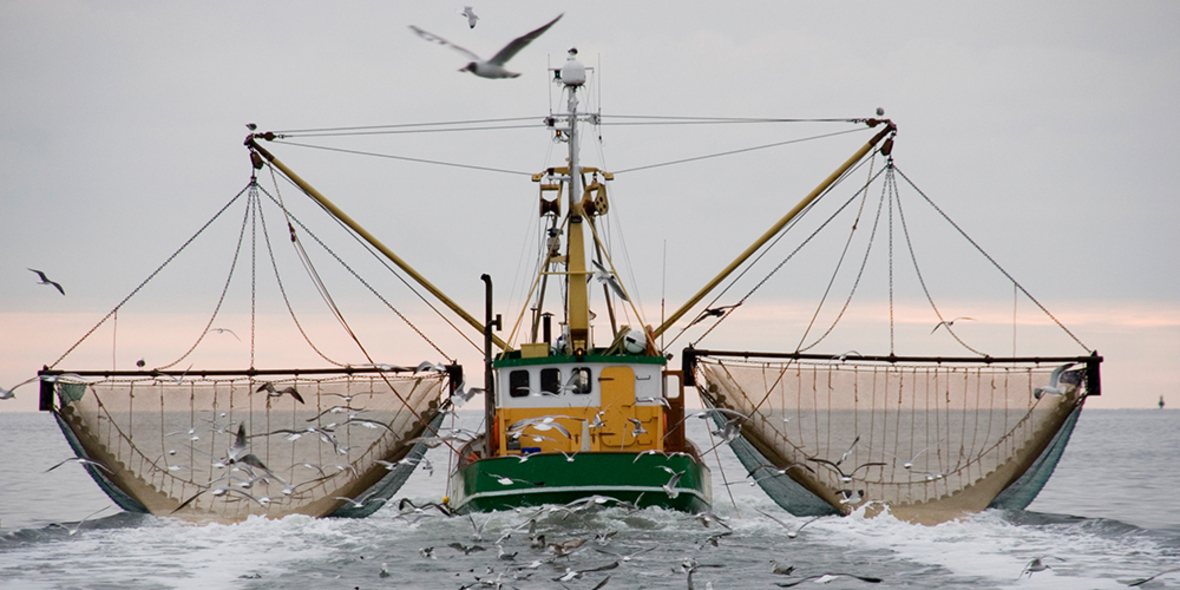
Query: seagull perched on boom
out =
(494, 67)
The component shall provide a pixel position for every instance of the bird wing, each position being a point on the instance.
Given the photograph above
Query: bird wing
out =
(617, 288)
(520, 43)
(1055, 376)
(436, 39)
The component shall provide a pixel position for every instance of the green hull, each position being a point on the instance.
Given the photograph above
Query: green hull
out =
(552, 479)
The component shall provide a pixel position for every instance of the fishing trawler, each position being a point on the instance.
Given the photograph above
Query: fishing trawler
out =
(569, 417)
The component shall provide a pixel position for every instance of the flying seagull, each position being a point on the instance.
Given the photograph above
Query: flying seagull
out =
(492, 68)
(225, 331)
(713, 312)
(948, 323)
(471, 18)
(45, 281)
(1037, 565)
(1054, 387)
(270, 390)
(11, 393)
(604, 276)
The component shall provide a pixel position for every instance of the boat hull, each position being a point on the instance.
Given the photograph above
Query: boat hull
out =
(551, 478)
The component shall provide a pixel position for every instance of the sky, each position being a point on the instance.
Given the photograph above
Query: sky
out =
(1045, 131)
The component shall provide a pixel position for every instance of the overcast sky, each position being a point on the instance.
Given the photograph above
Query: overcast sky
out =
(1046, 131)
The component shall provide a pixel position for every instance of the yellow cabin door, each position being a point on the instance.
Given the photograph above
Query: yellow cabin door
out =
(617, 385)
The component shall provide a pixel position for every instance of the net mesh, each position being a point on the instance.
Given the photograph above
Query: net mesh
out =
(931, 441)
(164, 443)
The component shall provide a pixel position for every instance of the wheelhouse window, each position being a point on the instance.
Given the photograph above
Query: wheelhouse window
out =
(518, 383)
(551, 381)
(579, 381)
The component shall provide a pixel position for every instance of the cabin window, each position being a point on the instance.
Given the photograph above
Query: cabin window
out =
(551, 381)
(579, 382)
(518, 383)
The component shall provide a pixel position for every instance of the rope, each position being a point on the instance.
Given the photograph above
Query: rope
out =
(994, 263)
(224, 289)
(384, 262)
(673, 120)
(891, 322)
(404, 131)
(362, 280)
(860, 273)
(150, 277)
(789, 256)
(406, 158)
(315, 277)
(905, 230)
(287, 302)
(291, 132)
(737, 151)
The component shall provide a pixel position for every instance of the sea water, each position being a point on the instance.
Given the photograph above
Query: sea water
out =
(1109, 515)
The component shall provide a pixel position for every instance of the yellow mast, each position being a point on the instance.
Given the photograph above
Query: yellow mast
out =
(342, 216)
(770, 233)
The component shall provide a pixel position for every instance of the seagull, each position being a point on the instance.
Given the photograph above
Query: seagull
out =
(880, 111)
(714, 540)
(670, 487)
(910, 463)
(270, 390)
(82, 461)
(782, 570)
(791, 534)
(846, 477)
(45, 281)
(73, 530)
(949, 323)
(504, 480)
(463, 394)
(11, 393)
(714, 312)
(844, 356)
(471, 18)
(849, 451)
(1054, 387)
(492, 68)
(464, 549)
(1036, 565)
(825, 578)
(777, 471)
(425, 366)
(638, 430)
(225, 331)
(360, 503)
(251, 126)
(604, 276)
(1142, 581)
(177, 379)
(851, 497)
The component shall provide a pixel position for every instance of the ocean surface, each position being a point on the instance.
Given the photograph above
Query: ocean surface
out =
(1109, 516)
